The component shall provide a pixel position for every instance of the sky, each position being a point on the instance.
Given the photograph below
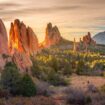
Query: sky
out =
(74, 18)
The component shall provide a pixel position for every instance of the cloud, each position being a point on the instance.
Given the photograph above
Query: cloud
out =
(44, 9)
(5, 12)
(8, 5)
(73, 16)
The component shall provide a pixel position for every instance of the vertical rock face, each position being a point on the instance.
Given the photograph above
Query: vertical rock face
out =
(32, 41)
(53, 35)
(22, 38)
(22, 61)
(3, 39)
(22, 43)
(3, 45)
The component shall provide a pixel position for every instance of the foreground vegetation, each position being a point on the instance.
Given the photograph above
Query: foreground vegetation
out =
(65, 62)
(51, 68)
(15, 83)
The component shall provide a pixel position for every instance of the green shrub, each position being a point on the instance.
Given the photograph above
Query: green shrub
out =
(10, 64)
(54, 64)
(67, 70)
(103, 74)
(99, 65)
(80, 67)
(27, 86)
(88, 100)
(55, 79)
(103, 88)
(35, 69)
(10, 78)
(83, 68)
(16, 84)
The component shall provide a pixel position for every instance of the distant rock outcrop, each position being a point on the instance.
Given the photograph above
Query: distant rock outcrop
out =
(22, 38)
(100, 38)
(86, 42)
(53, 35)
(3, 39)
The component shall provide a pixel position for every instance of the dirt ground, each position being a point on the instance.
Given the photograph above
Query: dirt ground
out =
(81, 83)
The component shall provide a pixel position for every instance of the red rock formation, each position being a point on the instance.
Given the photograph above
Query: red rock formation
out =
(3, 39)
(22, 38)
(86, 42)
(32, 41)
(22, 61)
(3, 46)
(22, 43)
(53, 35)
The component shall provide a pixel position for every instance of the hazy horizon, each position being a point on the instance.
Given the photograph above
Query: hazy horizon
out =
(74, 18)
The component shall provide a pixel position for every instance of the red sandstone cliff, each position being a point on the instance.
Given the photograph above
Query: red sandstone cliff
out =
(22, 38)
(3, 45)
(3, 39)
(22, 43)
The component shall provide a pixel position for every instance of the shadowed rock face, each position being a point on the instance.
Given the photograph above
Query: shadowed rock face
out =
(22, 38)
(32, 41)
(3, 45)
(3, 39)
(53, 35)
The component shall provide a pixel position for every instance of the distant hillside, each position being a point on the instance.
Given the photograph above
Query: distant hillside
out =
(100, 38)
(64, 44)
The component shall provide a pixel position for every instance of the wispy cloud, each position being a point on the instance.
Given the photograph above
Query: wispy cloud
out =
(43, 9)
(7, 5)
(72, 16)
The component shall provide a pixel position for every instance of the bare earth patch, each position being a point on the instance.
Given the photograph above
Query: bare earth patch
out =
(86, 85)
(82, 82)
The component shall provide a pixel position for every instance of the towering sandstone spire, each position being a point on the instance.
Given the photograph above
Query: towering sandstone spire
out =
(22, 43)
(22, 38)
(3, 39)
(53, 35)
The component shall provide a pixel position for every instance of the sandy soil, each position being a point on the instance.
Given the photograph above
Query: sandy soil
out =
(82, 82)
